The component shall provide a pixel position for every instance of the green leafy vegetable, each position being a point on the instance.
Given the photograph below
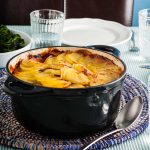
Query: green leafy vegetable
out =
(9, 41)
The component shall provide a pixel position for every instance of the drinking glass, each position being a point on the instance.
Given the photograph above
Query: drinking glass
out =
(46, 27)
(144, 33)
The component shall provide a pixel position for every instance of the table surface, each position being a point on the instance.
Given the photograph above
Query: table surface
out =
(133, 61)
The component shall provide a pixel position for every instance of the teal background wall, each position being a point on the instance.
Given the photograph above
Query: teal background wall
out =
(138, 5)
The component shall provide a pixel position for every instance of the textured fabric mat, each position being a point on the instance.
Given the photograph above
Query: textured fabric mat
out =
(14, 135)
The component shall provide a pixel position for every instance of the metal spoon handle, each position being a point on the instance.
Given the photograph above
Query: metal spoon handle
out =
(145, 66)
(133, 47)
(132, 38)
(85, 147)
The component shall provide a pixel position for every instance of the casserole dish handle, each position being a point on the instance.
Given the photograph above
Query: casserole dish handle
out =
(109, 49)
(14, 87)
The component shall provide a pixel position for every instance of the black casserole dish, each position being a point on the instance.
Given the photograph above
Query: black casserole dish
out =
(60, 111)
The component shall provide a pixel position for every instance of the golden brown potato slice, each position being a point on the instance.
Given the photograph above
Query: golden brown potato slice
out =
(85, 60)
(49, 60)
(76, 85)
(60, 58)
(28, 76)
(82, 69)
(52, 71)
(74, 76)
(49, 81)
(57, 62)
(72, 57)
(96, 67)
(93, 65)
(28, 65)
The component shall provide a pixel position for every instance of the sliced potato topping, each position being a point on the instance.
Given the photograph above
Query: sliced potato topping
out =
(72, 57)
(70, 74)
(67, 69)
(83, 69)
(76, 85)
(30, 64)
(53, 71)
(49, 81)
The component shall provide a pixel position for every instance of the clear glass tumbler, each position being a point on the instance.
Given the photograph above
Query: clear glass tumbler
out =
(46, 27)
(144, 33)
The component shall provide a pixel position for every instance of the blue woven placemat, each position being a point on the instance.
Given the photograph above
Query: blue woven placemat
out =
(14, 135)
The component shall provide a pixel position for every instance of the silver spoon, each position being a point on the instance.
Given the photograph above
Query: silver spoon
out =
(133, 48)
(126, 118)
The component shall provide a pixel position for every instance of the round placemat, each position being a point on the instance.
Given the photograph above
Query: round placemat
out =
(14, 135)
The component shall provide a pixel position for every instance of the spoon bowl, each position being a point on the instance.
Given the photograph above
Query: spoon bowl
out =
(129, 113)
(125, 119)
